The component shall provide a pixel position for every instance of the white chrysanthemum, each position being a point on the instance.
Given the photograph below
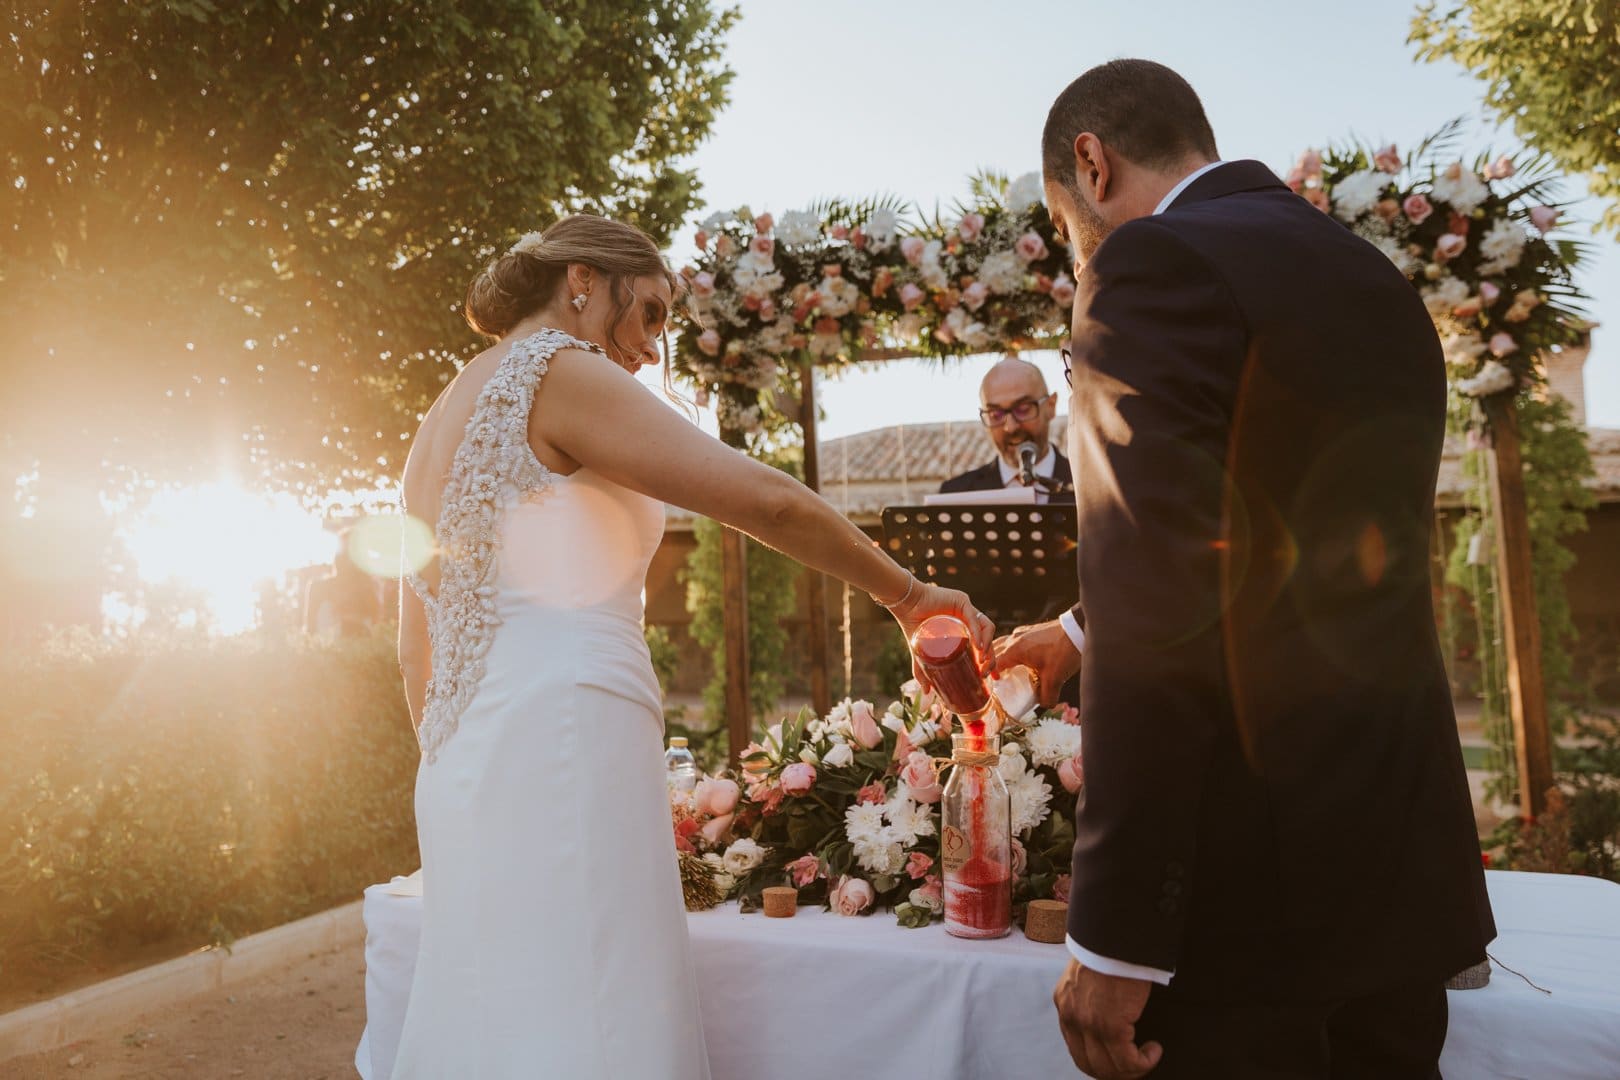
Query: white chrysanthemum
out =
(1002, 272)
(863, 821)
(1012, 764)
(1031, 795)
(754, 274)
(1464, 191)
(909, 820)
(932, 273)
(723, 879)
(932, 901)
(798, 227)
(1052, 742)
(1502, 247)
(838, 296)
(880, 230)
(1396, 252)
(1024, 192)
(1358, 193)
(841, 756)
(1444, 295)
(742, 856)
(1493, 378)
(1463, 349)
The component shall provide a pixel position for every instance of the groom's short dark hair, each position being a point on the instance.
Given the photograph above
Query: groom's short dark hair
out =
(1144, 110)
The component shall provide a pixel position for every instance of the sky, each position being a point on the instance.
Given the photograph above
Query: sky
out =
(911, 97)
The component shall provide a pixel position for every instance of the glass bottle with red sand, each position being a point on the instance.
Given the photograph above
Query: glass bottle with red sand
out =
(944, 650)
(976, 840)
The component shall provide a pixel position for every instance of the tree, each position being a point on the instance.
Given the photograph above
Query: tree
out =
(234, 237)
(1552, 68)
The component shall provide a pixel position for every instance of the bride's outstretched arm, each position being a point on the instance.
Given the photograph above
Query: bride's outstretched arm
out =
(591, 411)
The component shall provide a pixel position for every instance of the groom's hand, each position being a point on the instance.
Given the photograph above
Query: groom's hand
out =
(1098, 1013)
(1046, 648)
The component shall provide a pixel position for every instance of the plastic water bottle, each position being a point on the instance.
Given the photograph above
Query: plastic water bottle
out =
(681, 767)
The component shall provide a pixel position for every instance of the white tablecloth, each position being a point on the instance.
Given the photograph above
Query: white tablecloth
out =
(819, 995)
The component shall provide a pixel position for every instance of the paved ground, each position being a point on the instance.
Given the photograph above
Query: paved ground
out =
(301, 1023)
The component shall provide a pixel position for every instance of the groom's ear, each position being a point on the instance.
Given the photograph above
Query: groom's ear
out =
(1091, 164)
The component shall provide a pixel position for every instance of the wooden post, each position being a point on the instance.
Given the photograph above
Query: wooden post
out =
(815, 583)
(1527, 692)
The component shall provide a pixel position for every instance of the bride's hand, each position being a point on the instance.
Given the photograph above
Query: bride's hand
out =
(927, 600)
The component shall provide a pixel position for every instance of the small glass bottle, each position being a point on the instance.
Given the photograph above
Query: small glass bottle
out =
(976, 840)
(680, 766)
(944, 649)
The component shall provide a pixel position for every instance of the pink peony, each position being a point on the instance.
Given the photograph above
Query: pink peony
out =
(851, 896)
(970, 227)
(1502, 344)
(918, 775)
(1072, 774)
(1450, 246)
(1418, 208)
(1063, 290)
(864, 726)
(762, 245)
(1060, 888)
(1030, 247)
(1500, 169)
(798, 778)
(803, 870)
(1489, 292)
(872, 793)
(975, 295)
(714, 830)
(764, 224)
(701, 240)
(709, 343)
(715, 796)
(1387, 160)
(1543, 218)
(912, 248)
(918, 865)
(911, 297)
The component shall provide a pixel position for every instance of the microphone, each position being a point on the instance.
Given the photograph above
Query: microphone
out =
(1026, 465)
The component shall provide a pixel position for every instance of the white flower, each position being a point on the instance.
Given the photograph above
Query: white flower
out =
(809, 756)
(1358, 193)
(1493, 378)
(723, 880)
(816, 730)
(714, 222)
(1461, 187)
(755, 275)
(909, 820)
(919, 898)
(1396, 252)
(1002, 272)
(932, 273)
(907, 327)
(1463, 349)
(1052, 742)
(528, 242)
(798, 227)
(1502, 247)
(894, 717)
(881, 855)
(838, 296)
(1012, 764)
(880, 230)
(841, 756)
(1030, 796)
(965, 329)
(1444, 295)
(742, 856)
(1024, 192)
(863, 822)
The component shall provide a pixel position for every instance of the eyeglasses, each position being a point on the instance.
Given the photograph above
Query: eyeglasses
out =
(1068, 366)
(1023, 410)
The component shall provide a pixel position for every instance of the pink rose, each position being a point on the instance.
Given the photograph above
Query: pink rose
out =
(1071, 715)
(709, 343)
(920, 777)
(1388, 210)
(1060, 888)
(975, 295)
(1030, 247)
(764, 224)
(970, 227)
(1458, 224)
(911, 297)
(1296, 180)
(1500, 169)
(864, 726)
(903, 746)
(725, 247)
(702, 240)
(1387, 160)
(1543, 217)
(1309, 163)
(857, 239)
(912, 248)
(851, 896)
(826, 326)
(715, 796)
(872, 793)
(1489, 292)
(1418, 208)
(1063, 290)
(1469, 308)
(931, 888)
(1317, 198)
(715, 828)
(1450, 246)
(1071, 774)
(918, 864)
(1020, 858)
(703, 285)
(767, 310)
(798, 778)
(839, 232)
(1502, 344)
(762, 245)
(803, 870)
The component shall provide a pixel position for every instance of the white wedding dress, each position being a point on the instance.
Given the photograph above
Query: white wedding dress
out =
(554, 941)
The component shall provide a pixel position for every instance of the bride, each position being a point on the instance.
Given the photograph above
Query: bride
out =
(553, 940)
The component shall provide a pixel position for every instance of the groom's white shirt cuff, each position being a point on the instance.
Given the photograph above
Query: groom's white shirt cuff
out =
(1119, 968)
(1071, 626)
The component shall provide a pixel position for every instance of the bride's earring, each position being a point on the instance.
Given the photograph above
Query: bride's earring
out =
(579, 302)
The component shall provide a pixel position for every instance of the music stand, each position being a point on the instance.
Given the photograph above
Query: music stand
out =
(1017, 562)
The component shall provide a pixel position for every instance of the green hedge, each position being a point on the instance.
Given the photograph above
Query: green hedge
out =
(194, 791)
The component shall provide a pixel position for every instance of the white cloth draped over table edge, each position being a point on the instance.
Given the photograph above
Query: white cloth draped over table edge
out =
(818, 994)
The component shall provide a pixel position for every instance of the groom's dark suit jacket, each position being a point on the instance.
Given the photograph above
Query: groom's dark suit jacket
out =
(1275, 805)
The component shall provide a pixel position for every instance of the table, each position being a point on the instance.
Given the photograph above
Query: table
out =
(863, 996)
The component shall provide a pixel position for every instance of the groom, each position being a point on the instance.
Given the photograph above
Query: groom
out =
(1275, 865)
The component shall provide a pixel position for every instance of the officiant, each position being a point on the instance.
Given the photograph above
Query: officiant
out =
(1016, 410)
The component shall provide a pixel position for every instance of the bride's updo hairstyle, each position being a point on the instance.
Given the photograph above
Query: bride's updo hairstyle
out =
(534, 272)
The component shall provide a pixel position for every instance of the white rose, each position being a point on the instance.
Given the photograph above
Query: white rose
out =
(1024, 192)
(742, 856)
(841, 756)
(723, 880)
(922, 899)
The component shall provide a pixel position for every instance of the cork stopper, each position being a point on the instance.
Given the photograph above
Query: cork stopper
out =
(1047, 920)
(781, 901)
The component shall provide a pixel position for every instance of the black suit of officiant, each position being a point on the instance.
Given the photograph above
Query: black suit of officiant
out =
(1275, 806)
(988, 477)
